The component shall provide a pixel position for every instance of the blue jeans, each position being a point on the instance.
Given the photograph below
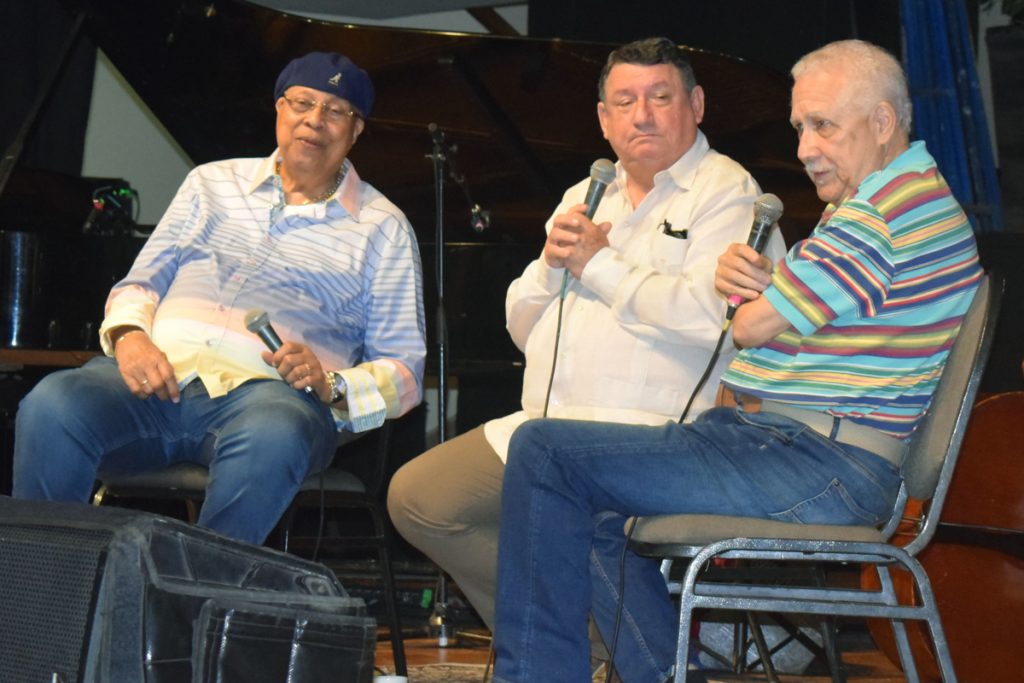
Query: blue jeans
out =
(259, 442)
(570, 485)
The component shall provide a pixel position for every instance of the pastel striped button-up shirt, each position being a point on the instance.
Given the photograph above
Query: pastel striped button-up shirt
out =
(341, 276)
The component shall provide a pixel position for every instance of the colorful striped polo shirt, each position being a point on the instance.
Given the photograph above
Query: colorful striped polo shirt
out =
(875, 297)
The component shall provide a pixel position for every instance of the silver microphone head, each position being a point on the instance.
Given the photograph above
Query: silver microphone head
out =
(768, 208)
(256, 319)
(603, 171)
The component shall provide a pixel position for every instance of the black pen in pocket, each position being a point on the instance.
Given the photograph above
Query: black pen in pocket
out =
(666, 228)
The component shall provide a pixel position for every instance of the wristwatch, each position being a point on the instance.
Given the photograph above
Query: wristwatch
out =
(336, 383)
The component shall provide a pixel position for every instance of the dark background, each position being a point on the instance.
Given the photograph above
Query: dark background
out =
(774, 34)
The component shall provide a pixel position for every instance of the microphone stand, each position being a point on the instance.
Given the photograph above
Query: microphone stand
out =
(480, 220)
(442, 153)
(439, 154)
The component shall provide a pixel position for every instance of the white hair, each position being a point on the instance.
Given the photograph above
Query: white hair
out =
(876, 71)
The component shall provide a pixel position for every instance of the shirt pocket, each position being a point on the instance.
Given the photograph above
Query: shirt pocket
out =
(668, 252)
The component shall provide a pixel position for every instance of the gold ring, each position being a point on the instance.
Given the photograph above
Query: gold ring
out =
(143, 381)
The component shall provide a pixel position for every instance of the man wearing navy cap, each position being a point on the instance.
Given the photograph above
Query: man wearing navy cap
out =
(298, 235)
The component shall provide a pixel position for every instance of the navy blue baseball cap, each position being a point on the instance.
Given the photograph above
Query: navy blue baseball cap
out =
(332, 73)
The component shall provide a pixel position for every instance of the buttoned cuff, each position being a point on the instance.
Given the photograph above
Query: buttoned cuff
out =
(365, 406)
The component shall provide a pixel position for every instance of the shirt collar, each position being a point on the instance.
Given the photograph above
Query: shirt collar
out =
(682, 172)
(348, 193)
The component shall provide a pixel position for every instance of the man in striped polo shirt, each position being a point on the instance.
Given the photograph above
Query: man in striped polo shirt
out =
(843, 343)
(297, 235)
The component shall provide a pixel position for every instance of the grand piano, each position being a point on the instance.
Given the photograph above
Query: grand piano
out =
(520, 113)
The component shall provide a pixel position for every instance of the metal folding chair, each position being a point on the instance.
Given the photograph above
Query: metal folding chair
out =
(927, 471)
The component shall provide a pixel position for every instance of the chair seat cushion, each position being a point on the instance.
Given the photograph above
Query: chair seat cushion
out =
(697, 531)
(193, 478)
(336, 480)
(185, 476)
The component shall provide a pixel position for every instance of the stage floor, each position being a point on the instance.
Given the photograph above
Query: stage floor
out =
(467, 662)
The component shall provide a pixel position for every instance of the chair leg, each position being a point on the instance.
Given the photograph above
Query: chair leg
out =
(829, 635)
(830, 643)
(101, 493)
(934, 622)
(683, 642)
(763, 651)
(490, 663)
(192, 510)
(899, 629)
(390, 601)
(286, 526)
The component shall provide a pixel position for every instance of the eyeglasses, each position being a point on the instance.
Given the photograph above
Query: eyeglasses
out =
(332, 112)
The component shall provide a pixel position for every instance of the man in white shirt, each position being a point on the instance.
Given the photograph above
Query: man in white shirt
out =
(297, 234)
(639, 319)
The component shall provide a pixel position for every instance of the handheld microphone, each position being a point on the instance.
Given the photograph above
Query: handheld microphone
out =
(257, 322)
(602, 173)
(767, 210)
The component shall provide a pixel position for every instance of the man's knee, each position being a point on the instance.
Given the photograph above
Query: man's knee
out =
(57, 404)
(87, 392)
(282, 424)
(528, 449)
(401, 492)
(49, 395)
(409, 502)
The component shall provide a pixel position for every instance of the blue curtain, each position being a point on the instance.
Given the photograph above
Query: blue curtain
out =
(948, 113)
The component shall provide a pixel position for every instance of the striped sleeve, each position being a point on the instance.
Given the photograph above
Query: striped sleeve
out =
(875, 297)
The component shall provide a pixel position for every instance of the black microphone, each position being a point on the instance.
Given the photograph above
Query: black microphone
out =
(602, 173)
(257, 322)
(767, 210)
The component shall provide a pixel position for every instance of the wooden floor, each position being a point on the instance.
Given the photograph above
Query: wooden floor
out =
(864, 663)
(466, 658)
(423, 650)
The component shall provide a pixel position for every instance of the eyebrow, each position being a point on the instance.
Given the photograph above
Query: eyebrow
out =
(631, 89)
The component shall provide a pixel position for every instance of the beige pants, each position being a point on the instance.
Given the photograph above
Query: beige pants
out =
(447, 503)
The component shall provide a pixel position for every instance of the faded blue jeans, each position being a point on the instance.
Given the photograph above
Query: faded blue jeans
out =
(570, 485)
(259, 441)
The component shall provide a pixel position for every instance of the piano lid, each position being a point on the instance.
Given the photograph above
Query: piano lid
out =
(521, 111)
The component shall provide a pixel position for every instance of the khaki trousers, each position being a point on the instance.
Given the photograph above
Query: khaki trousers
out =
(447, 503)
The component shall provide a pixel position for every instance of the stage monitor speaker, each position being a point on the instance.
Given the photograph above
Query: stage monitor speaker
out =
(101, 595)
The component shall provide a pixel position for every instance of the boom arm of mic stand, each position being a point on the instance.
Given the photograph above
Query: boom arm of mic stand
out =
(480, 219)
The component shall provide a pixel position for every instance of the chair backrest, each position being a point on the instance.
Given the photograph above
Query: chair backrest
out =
(935, 446)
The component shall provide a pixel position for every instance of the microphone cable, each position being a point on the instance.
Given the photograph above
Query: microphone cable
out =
(621, 602)
(323, 504)
(707, 370)
(602, 173)
(697, 388)
(558, 337)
